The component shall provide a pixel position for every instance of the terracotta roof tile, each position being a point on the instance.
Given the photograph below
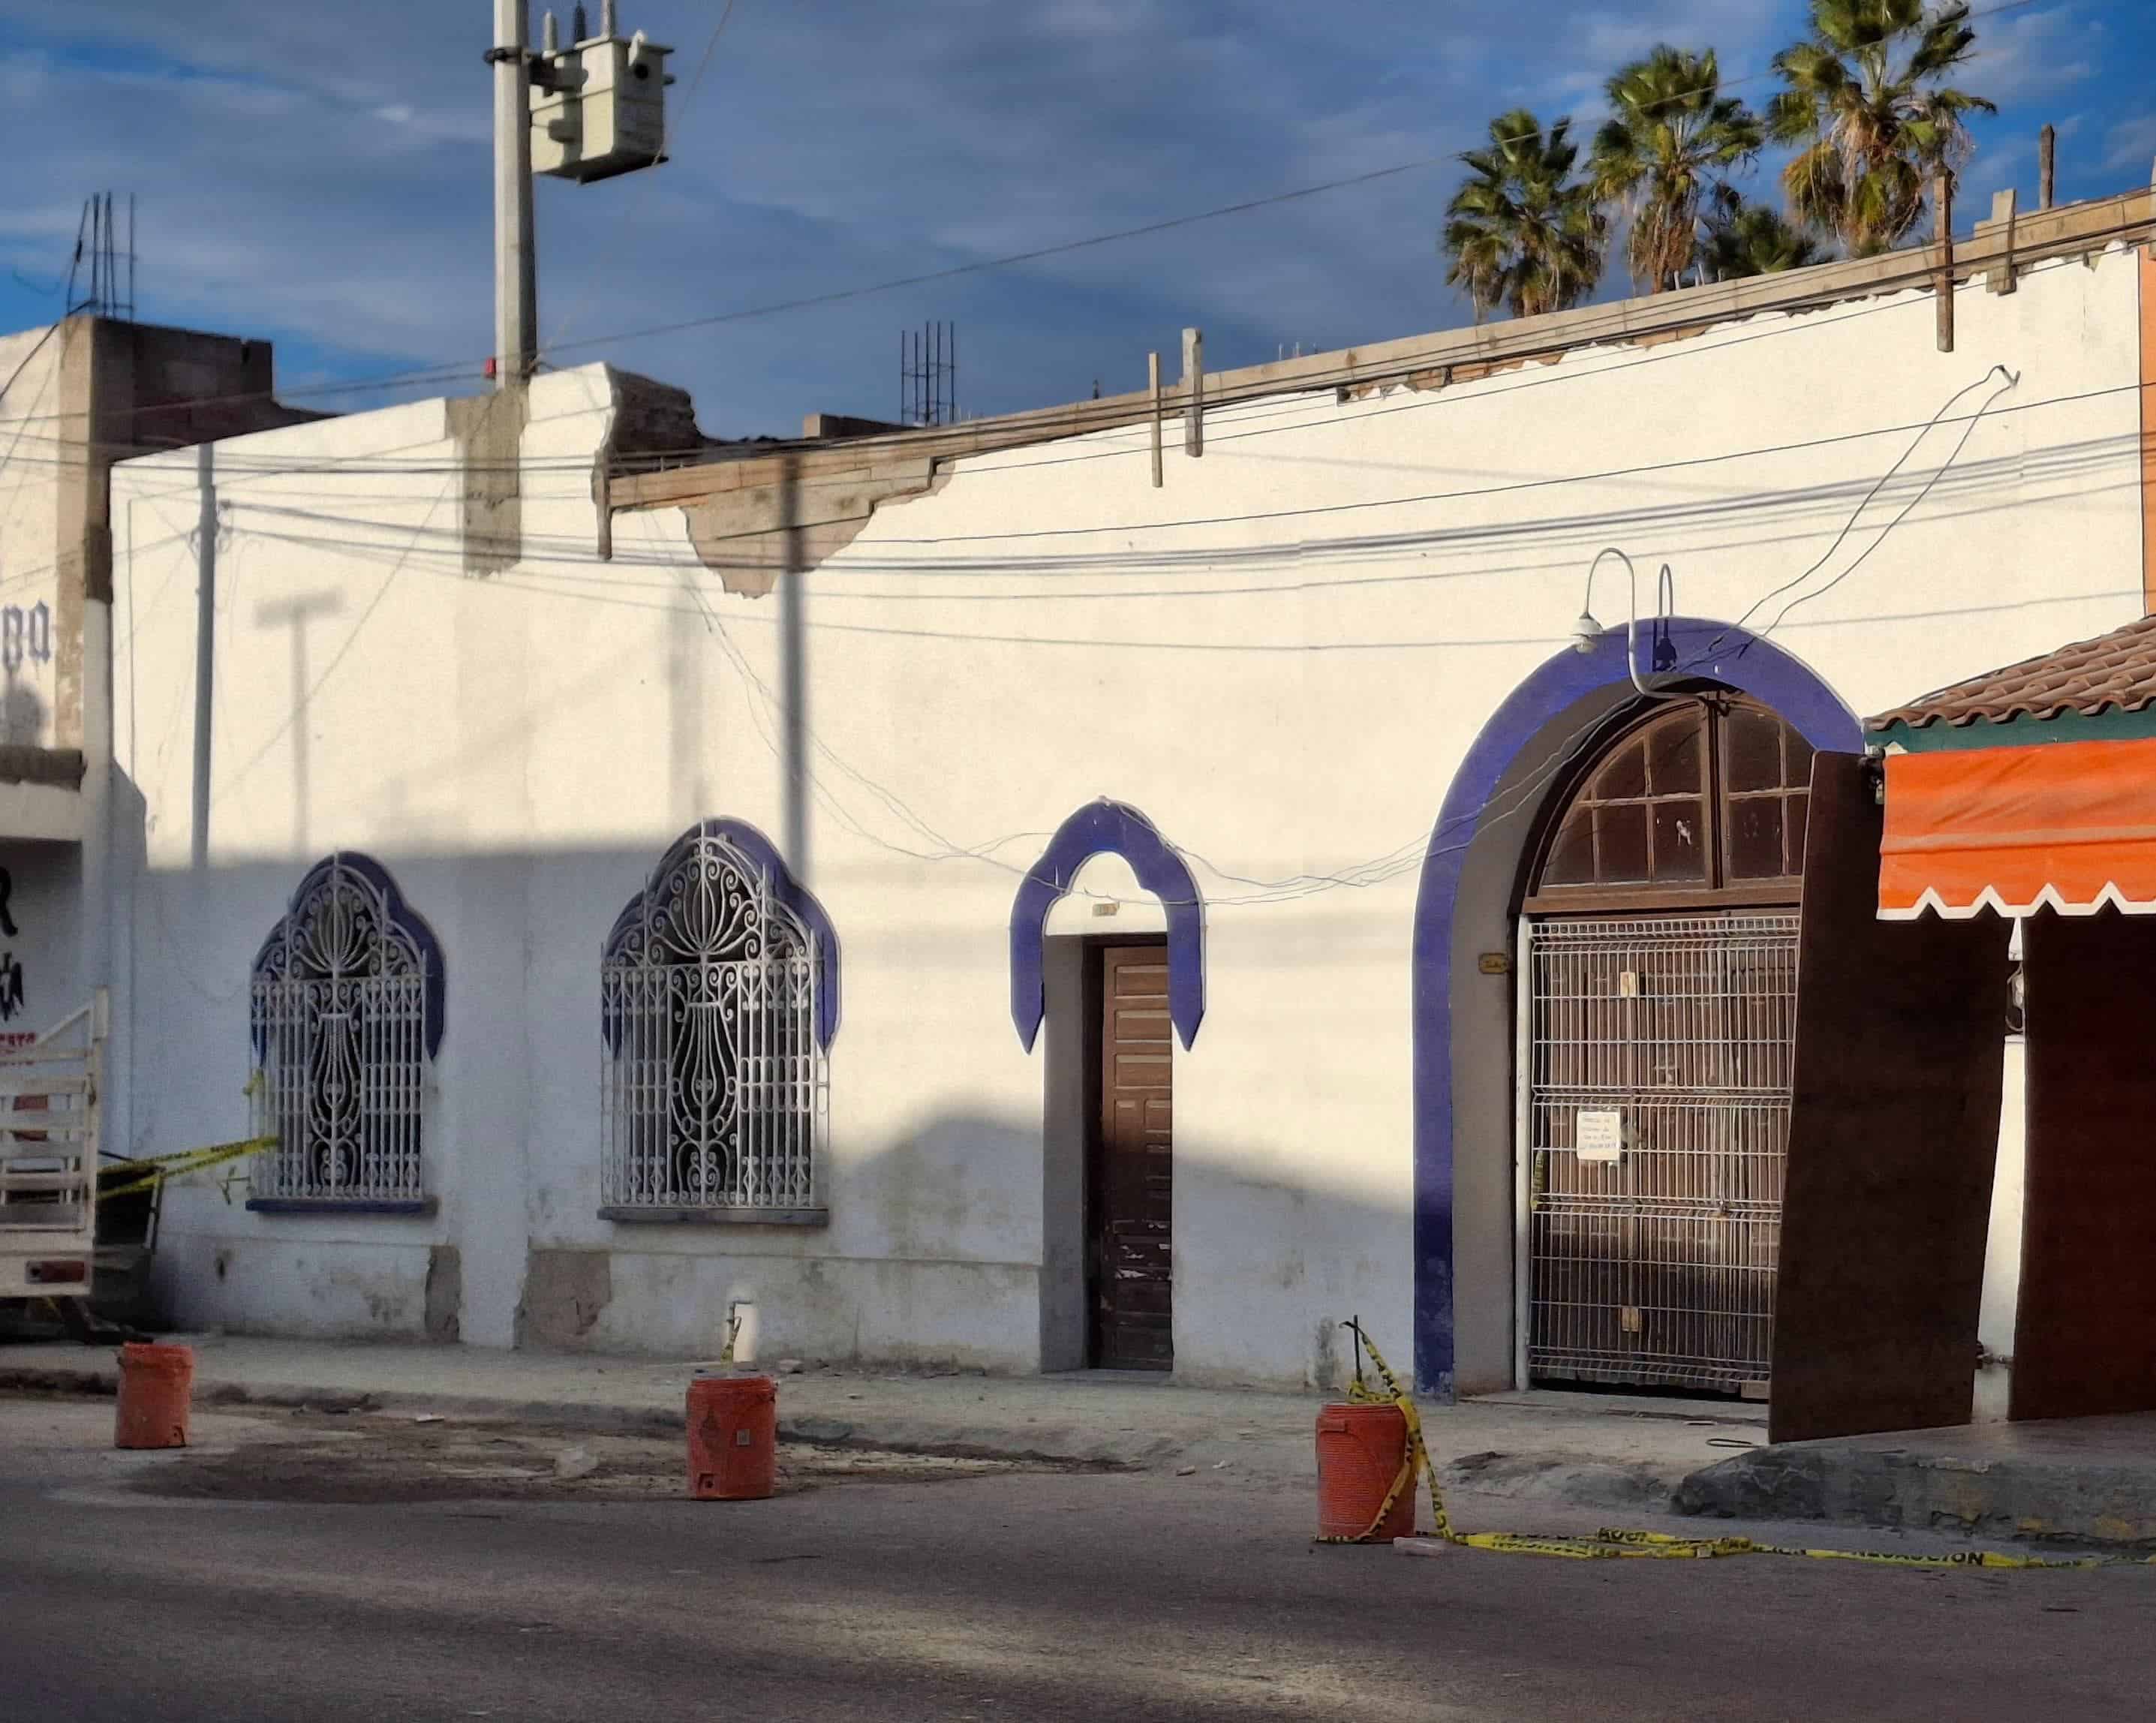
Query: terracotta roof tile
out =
(2115, 670)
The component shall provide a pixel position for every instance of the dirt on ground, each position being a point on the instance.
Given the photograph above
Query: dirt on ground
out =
(313, 1456)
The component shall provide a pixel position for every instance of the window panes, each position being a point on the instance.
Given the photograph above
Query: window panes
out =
(1706, 793)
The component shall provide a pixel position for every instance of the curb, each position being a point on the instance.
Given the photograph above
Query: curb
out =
(2018, 1498)
(899, 1435)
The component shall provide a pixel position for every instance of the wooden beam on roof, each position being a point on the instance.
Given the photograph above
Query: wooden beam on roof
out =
(878, 468)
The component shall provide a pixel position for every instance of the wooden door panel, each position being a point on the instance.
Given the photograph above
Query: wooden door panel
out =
(1133, 1179)
(1894, 1128)
(2085, 1328)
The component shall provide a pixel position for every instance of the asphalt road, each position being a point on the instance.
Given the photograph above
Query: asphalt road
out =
(905, 1593)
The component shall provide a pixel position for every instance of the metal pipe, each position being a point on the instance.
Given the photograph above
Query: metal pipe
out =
(1586, 631)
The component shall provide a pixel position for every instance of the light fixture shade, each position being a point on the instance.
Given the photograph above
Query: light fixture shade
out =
(1585, 633)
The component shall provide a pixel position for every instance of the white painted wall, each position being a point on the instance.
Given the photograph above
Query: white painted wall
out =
(1280, 656)
(2002, 1255)
(32, 445)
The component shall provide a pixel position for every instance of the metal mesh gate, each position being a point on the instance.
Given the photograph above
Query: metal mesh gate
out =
(1657, 1113)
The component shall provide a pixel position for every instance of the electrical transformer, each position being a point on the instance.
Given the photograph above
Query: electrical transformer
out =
(598, 106)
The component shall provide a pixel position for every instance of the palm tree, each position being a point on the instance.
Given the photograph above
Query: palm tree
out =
(1872, 116)
(1751, 240)
(1524, 232)
(1670, 136)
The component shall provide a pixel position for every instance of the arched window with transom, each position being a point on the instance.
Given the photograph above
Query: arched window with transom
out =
(719, 999)
(1700, 801)
(347, 1008)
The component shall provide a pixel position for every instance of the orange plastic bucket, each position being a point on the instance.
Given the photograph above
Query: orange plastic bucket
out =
(733, 1437)
(1360, 1449)
(155, 1383)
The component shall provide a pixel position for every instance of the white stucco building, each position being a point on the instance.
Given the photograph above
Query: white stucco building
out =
(1082, 920)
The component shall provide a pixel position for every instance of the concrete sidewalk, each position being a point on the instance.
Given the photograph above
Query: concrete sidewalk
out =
(1589, 1451)
(2090, 1480)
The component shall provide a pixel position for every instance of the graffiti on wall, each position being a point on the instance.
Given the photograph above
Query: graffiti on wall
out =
(11, 968)
(26, 646)
(25, 635)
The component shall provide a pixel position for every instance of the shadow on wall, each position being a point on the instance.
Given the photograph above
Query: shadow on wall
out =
(939, 1250)
(23, 711)
(1265, 1271)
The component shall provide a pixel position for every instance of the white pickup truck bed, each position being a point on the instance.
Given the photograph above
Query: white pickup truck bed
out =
(49, 1158)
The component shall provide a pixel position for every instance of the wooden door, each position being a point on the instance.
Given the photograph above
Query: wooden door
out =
(1133, 1183)
(1893, 1129)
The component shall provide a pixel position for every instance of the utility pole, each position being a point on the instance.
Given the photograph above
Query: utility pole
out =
(602, 112)
(2047, 157)
(205, 645)
(794, 672)
(1943, 206)
(515, 260)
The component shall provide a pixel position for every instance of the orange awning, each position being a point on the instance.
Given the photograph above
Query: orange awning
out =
(2068, 825)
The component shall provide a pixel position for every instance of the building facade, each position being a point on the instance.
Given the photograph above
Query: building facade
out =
(977, 902)
(75, 396)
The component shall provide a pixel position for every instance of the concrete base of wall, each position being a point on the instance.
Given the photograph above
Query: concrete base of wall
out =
(320, 1289)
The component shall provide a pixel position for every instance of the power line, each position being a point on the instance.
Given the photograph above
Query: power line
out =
(670, 121)
(1375, 871)
(468, 368)
(448, 566)
(1147, 228)
(1083, 419)
(577, 550)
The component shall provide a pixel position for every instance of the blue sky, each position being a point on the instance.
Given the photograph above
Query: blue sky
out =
(319, 173)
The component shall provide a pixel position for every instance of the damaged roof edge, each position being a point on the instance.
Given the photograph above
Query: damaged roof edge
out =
(1456, 355)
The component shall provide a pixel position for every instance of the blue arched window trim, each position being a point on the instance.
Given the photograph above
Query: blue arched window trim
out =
(406, 919)
(1680, 646)
(789, 891)
(1099, 828)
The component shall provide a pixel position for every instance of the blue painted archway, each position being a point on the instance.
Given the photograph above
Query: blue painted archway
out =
(1095, 829)
(1679, 646)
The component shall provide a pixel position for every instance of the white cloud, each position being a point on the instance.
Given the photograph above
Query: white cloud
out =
(2130, 146)
(2033, 53)
(322, 173)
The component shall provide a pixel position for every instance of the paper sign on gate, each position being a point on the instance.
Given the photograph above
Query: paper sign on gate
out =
(1598, 1135)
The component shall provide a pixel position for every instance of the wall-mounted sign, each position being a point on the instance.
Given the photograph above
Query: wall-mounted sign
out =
(1598, 1135)
(1495, 963)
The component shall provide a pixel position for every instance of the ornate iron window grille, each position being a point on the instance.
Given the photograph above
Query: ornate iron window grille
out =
(346, 1011)
(714, 1079)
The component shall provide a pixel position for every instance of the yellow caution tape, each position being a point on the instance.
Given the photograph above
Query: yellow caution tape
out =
(155, 1170)
(1616, 1543)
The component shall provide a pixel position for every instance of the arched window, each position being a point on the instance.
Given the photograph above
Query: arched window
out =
(347, 1011)
(1698, 801)
(719, 997)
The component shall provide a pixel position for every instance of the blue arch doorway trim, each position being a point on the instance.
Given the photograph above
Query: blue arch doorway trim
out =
(1685, 646)
(763, 854)
(1095, 829)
